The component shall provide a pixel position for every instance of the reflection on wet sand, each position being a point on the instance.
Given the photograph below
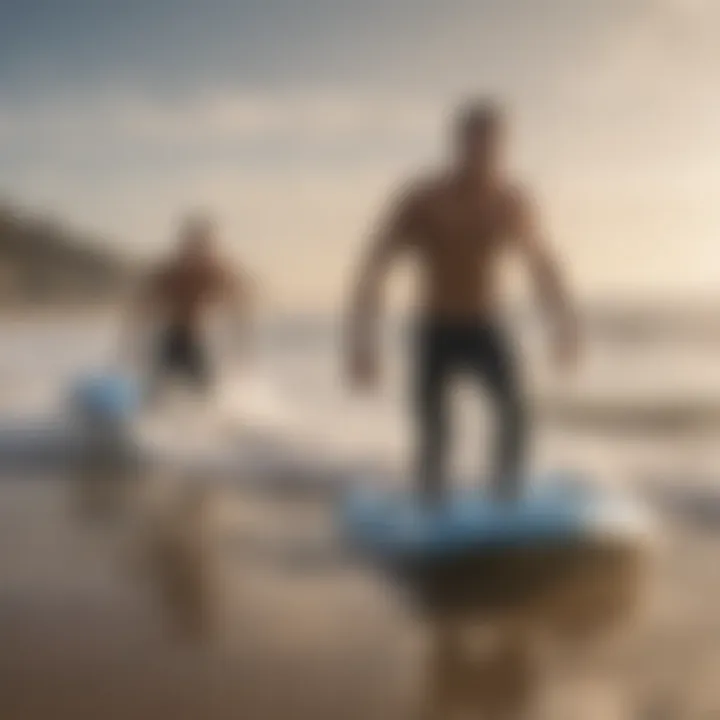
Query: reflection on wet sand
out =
(497, 679)
(101, 491)
(495, 665)
(182, 561)
(497, 625)
(107, 469)
(495, 629)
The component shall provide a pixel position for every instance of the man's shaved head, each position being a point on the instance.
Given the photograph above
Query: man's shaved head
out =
(478, 117)
(479, 130)
(197, 235)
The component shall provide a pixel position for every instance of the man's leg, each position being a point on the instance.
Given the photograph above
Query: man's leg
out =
(197, 367)
(494, 363)
(190, 360)
(162, 366)
(431, 412)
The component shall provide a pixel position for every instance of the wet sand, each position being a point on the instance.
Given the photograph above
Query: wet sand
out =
(218, 614)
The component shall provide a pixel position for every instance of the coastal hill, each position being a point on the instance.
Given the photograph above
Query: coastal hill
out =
(44, 262)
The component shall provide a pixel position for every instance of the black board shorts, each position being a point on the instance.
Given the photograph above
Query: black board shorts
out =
(181, 353)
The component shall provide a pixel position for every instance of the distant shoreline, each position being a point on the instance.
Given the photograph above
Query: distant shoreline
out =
(58, 310)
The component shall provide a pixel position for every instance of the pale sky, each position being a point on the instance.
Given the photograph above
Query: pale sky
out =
(289, 119)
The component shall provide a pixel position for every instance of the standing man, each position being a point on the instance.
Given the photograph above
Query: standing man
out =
(458, 224)
(179, 294)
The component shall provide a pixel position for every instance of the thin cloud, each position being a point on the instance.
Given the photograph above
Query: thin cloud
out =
(228, 117)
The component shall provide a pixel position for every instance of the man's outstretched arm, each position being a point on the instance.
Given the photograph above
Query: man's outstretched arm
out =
(546, 273)
(366, 300)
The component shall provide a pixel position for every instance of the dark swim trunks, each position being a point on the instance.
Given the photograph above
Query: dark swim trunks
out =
(181, 353)
(479, 350)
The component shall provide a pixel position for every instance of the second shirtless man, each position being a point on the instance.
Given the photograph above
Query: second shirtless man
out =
(179, 295)
(458, 225)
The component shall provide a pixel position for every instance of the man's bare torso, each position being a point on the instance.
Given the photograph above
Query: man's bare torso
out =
(184, 292)
(458, 237)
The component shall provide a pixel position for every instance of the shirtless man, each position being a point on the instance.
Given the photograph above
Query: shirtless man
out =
(458, 225)
(179, 293)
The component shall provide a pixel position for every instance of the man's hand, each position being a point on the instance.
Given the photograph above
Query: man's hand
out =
(546, 273)
(566, 347)
(389, 241)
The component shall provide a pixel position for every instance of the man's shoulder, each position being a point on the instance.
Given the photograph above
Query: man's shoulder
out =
(515, 194)
(420, 189)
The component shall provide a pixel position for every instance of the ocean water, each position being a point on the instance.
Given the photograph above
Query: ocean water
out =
(644, 395)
